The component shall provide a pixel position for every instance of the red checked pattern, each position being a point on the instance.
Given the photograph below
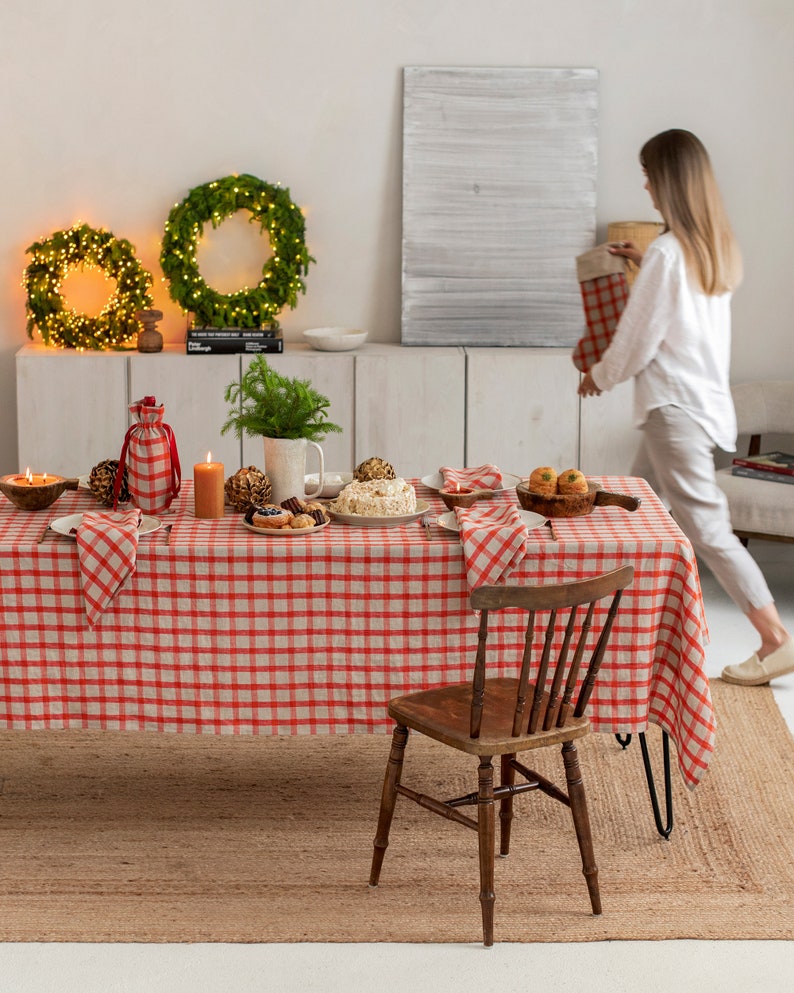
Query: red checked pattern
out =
(107, 544)
(604, 299)
(224, 631)
(151, 458)
(494, 539)
(484, 477)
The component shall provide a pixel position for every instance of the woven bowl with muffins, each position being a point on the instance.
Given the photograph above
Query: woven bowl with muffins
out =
(567, 494)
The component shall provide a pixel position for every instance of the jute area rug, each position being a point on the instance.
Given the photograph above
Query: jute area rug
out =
(174, 838)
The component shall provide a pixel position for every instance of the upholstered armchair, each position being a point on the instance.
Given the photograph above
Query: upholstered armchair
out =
(761, 509)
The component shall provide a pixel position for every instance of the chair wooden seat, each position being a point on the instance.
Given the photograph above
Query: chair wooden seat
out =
(543, 705)
(445, 714)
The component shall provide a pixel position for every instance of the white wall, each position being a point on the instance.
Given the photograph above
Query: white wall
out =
(111, 113)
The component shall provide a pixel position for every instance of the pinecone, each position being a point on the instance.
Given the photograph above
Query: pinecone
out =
(374, 468)
(102, 479)
(247, 488)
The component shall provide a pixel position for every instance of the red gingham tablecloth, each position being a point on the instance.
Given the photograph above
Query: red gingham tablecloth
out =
(225, 631)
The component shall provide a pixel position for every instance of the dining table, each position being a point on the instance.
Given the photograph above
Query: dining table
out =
(223, 630)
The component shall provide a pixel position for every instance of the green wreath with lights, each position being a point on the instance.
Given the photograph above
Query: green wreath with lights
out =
(277, 216)
(116, 325)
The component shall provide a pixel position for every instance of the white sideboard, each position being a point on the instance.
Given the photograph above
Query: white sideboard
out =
(420, 408)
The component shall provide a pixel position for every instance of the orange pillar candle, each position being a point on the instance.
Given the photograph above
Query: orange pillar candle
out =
(208, 494)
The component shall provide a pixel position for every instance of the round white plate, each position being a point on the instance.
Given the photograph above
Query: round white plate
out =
(358, 520)
(330, 489)
(69, 524)
(436, 481)
(335, 339)
(285, 532)
(531, 519)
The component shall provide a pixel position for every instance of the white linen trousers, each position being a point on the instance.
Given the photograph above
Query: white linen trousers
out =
(677, 458)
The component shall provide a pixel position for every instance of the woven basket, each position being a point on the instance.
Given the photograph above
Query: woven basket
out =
(641, 233)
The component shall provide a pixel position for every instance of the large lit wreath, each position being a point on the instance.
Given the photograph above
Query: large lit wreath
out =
(116, 325)
(270, 207)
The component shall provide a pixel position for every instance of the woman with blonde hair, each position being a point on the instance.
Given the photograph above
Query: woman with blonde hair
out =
(673, 339)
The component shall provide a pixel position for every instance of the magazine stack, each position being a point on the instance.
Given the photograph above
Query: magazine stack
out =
(774, 467)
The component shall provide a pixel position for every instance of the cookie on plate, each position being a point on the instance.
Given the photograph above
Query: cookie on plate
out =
(302, 521)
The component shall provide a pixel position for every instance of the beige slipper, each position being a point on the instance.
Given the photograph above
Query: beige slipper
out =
(758, 672)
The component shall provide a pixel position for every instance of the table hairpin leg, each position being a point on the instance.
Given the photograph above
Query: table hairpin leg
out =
(665, 830)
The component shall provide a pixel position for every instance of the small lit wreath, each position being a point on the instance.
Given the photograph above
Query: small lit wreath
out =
(116, 325)
(271, 207)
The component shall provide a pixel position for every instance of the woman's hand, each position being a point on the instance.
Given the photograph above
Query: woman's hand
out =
(587, 387)
(628, 250)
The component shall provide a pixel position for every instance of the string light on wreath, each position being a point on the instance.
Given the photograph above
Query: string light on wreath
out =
(278, 218)
(116, 326)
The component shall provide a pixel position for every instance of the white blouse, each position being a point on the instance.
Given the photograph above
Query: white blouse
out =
(675, 341)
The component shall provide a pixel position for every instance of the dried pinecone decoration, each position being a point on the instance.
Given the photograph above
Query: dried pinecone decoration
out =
(247, 488)
(374, 468)
(102, 479)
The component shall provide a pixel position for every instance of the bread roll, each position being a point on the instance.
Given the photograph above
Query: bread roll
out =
(543, 480)
(302, 521)
(571, 481)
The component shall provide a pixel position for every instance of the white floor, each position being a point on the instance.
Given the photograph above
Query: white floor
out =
(605, 967)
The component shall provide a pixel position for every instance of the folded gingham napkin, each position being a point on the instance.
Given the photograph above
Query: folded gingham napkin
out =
(484, 477)
(494, 540)
(107, 547)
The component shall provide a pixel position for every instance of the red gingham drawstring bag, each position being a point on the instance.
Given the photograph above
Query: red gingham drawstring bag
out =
(602, 280)
(149, 452)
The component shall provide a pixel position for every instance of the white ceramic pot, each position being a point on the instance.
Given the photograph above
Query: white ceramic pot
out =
(285, 466)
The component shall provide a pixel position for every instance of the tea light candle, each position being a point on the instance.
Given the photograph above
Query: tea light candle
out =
(456, 495)
(208, 496)
(31, 479)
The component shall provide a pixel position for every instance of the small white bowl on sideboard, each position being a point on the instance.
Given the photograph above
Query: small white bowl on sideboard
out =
(335, 339)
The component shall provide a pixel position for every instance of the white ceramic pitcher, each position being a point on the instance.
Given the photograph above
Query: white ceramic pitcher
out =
(285, 467)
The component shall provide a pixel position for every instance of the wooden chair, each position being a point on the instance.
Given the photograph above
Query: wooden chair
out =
(507, 715)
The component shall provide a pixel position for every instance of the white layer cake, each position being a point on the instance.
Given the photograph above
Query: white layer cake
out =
(377, 498)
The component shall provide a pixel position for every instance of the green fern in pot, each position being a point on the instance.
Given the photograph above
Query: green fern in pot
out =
(266, 403)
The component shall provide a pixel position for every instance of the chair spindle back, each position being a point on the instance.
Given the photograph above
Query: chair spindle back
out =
(558, 665)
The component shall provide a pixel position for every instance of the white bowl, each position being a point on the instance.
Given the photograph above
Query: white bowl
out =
(335, 339)
(333, 483)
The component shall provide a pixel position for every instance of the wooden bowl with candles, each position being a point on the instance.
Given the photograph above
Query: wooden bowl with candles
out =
(34, 491)
(459, 496)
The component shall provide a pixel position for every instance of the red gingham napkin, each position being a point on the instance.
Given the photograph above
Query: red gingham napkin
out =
(494, 540)
(484, 477)
(107, 546)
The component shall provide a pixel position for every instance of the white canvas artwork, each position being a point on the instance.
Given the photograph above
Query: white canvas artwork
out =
(499, 191)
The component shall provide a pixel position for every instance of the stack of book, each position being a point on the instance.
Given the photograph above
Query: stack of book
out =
(229, 341)
(775, 467)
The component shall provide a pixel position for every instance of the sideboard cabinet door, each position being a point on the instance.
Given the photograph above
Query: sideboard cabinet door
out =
(609, 438)
(71, 408)
(410, 407)
(191, 387)
(522, 408)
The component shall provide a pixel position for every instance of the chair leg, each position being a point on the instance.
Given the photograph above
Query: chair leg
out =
(506, 806)
(394, 768)
(486, 838)
(581, 822)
